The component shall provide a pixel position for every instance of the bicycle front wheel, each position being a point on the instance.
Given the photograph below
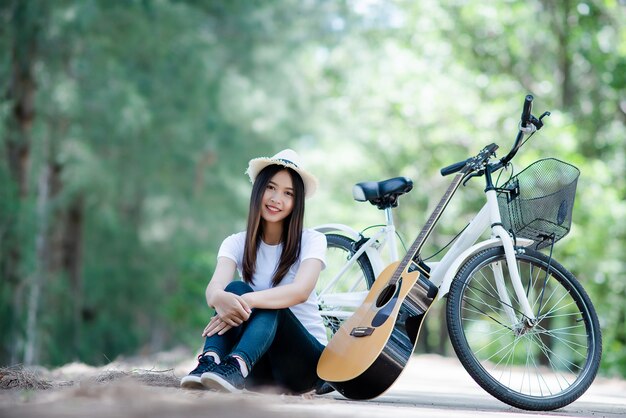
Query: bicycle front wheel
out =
(344, 282)
(541, 365)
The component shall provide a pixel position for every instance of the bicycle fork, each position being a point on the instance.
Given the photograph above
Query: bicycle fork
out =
(497, 230)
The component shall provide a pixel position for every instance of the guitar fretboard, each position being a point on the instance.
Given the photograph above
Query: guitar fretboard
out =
(427, 229)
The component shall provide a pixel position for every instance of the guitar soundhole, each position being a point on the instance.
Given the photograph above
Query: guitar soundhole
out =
(385, 296)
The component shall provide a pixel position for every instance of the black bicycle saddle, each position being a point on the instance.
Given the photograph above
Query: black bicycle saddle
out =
(383, 194)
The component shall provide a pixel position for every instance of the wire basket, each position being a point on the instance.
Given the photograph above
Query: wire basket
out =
(537, 203)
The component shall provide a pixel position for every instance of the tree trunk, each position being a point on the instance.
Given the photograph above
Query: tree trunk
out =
(26, 26)
(41, 268)
(21, 92)
(560, 12)
(72, 263)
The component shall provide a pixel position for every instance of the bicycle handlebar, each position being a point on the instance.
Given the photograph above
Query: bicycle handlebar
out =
(528, 105)
(454, 168)
(526, 119)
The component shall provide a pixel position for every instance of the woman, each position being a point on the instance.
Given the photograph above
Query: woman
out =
(267, 328)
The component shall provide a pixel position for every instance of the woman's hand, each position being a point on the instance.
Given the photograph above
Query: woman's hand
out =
(232, 309)
(216, 325)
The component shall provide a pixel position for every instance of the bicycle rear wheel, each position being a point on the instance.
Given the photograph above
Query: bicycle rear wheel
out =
(540, 366)
(340, 293)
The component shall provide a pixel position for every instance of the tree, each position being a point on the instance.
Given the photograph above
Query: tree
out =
(24, 33)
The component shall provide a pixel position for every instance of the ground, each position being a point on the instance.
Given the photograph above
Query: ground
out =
(431, 386)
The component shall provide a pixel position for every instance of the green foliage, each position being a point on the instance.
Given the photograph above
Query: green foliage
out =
(148, 111)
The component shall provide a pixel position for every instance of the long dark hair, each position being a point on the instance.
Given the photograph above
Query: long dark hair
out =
(292, 225)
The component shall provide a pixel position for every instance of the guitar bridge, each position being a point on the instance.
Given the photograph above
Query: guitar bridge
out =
(361, 331)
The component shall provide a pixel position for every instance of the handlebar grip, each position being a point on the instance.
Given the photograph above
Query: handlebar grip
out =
(528, 105)
(453, 168)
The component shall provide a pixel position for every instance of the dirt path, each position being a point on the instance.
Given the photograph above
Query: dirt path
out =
(149, 388)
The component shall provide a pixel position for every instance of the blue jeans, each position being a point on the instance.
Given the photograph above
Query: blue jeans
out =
(276, 347)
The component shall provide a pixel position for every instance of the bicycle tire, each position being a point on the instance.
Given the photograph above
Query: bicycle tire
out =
(361, 277)
(559, 355)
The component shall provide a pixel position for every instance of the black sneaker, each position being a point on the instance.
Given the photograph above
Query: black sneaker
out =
(192, 380)
(225, 377)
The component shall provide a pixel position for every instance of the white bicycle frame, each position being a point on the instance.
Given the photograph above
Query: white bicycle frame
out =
(444, 271)
(385, 237)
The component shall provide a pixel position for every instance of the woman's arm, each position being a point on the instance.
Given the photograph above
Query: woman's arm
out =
(291, 294)
(230, 308)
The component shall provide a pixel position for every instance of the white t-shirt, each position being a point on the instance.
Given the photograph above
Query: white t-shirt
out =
(313, 245)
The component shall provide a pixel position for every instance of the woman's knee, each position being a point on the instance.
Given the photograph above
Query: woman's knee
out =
(267, 319)
(238, 288)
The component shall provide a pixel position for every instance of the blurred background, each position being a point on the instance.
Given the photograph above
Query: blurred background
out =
(126, 127)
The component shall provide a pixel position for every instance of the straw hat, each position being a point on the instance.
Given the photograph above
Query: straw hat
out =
(287, 158)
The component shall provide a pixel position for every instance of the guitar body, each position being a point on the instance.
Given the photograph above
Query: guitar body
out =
(372, 347)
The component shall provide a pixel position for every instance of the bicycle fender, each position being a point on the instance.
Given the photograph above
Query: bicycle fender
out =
(444, 288)
(344, 229)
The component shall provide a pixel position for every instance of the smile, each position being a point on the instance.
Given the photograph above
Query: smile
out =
(272, 209)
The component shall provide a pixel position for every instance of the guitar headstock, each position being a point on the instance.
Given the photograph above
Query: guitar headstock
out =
(478, 162)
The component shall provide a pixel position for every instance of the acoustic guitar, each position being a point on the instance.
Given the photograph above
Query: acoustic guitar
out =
(372, 347)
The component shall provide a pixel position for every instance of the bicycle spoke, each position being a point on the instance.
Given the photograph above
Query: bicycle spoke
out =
(555, 309)
(529, 356)
(494, 342)
(489, 316)
(545, 352)
(489, 282)
(532, 365)
(549, 354)
(564, 315)
(552, 333)
(503, 303)
(571, 345)
(479, 301)
(510, 359)
(540, 378)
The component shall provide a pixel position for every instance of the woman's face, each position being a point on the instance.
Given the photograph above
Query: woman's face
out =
(278, 198)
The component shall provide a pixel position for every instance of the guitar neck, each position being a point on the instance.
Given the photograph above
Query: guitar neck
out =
(428, 227)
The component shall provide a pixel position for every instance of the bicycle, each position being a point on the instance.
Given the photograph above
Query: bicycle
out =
(520, 323)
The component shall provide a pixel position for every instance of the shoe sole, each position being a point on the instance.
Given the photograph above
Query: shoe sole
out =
(191, 382)
(216, 382)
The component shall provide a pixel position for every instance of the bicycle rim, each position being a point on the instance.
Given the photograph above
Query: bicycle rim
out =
(542, 366)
